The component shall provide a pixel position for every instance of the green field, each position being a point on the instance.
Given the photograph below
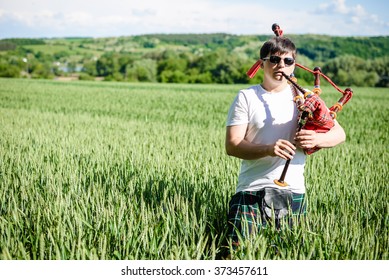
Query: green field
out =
(99, 170)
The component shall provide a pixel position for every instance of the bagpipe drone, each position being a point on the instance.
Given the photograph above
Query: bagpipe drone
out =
(314, 114)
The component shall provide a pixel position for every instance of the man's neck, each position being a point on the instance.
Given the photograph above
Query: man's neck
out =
(274, 87)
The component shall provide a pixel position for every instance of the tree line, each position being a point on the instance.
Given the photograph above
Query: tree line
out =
(192, 58)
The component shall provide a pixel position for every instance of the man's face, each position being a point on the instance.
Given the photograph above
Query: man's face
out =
(274, 64)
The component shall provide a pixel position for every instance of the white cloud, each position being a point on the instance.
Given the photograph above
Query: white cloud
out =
(354, 19)
(334, 7)
(358, 10)
(76, 18)
(128, 17)
(341, 6)
(162, 16)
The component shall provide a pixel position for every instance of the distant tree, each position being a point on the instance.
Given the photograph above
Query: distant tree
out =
(24, 41)
(144, 70)
(222, 73)
(60, 55)
(41, 70)
(172, 70)
(71, 66)
(173, 76)
(197, 58)
(350, 70)
(89, 67)
(108, 65)
(194, 76)
(123, 60)
(85, 77)
(370, 79)
(149, 44)
(381, 67)
(6, 46)
(9, 71)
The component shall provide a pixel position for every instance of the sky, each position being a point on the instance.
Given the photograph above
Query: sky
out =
(112, 18)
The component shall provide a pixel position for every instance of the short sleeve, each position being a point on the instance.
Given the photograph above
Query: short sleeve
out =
(238, 113)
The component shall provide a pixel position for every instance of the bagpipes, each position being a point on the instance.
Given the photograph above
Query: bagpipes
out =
(314, 114)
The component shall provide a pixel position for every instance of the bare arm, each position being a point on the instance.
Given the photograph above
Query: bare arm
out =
(238, 146)
(307, 139)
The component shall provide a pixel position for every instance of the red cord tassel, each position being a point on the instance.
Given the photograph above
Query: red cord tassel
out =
(254, 69)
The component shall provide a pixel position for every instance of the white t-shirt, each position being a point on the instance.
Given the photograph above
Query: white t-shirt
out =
(270, 117)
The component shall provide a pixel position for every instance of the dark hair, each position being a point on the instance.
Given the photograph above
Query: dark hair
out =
(279, 45)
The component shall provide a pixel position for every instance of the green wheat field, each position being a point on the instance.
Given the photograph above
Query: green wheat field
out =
(132, 171)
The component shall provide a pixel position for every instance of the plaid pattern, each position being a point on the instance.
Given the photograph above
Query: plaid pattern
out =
(246, 215)
(321, 120)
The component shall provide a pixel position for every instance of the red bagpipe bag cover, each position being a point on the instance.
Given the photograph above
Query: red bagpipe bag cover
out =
(319, 120)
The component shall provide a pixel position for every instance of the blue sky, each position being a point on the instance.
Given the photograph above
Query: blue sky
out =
(96, 18)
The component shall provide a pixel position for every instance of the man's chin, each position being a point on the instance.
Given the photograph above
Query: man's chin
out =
(278, 77)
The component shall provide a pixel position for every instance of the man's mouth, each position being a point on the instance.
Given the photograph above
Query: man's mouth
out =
(278, 74)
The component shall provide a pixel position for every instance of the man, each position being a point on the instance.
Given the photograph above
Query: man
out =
(261, 130)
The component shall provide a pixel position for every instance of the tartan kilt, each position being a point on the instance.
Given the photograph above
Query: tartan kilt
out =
(246, 214)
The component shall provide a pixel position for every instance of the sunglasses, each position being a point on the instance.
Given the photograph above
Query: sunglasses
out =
(276, 59)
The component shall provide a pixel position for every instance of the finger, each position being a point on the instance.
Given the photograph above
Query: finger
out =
(289, 150)
(284, 144)
(305, 132)
(303, 138)
(285, 153)
(307, 144)
(286, 148)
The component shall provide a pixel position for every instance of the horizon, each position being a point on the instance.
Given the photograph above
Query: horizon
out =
(213, 33)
